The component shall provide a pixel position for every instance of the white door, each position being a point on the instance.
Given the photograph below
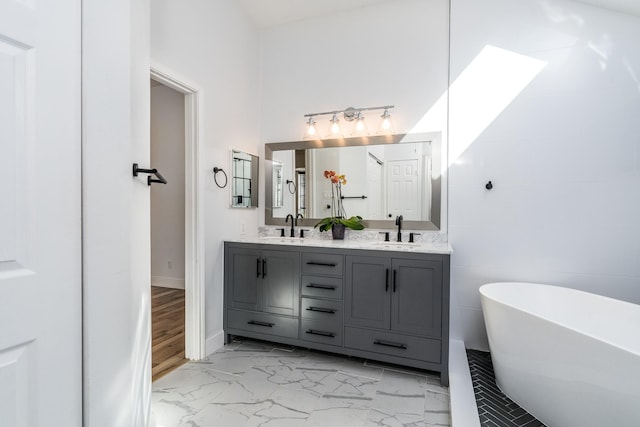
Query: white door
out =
(40, 215)
(403, 195)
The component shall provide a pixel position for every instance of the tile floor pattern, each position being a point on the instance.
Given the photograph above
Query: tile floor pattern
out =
(253, 383)
(494, 408)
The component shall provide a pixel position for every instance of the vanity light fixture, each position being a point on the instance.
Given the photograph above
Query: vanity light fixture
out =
(349, 114)
(334, 127)
(312, 131)
(385, 123)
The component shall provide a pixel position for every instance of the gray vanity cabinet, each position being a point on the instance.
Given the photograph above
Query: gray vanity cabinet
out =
(394, 307)
(387, 306)
(262, 290)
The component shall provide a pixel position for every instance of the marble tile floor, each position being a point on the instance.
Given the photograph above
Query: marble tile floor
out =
(259, 384)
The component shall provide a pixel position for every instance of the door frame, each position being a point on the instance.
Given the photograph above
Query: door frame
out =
(194, 212)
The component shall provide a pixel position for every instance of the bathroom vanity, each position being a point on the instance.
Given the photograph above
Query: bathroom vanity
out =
(388, 303)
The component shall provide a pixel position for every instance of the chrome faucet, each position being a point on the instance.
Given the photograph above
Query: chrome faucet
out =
(293, 221)
(399, 224)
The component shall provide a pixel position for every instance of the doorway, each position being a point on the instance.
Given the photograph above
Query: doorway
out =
(177, 246)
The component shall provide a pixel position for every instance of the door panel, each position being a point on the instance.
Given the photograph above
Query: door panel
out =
(245, 273)
(281, 283)
(368, 292)
(40, 222)
(416, 302)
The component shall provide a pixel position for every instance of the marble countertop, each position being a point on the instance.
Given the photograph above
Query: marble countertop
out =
(377, 245)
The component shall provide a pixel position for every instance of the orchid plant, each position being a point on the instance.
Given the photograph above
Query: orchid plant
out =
(338, 214)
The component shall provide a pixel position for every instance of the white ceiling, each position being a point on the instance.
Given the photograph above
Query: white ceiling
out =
(269, 13)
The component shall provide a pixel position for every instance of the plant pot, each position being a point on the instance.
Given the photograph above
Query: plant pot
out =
(338, 231)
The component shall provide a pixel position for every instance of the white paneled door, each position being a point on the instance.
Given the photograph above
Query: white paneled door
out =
(40, 216)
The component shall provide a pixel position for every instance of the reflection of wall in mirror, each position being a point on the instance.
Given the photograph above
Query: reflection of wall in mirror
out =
(286, 159)
(394, 179)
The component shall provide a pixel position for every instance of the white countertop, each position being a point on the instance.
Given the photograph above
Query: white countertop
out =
(429, 248)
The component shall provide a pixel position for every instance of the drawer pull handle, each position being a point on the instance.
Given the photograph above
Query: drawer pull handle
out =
(257, 323)
(386, 285)
(321, 333)
(322, 264)
(321, 310)
(329, 287)
(390, 344)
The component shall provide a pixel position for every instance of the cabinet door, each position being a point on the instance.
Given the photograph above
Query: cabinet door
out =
(368, 290)
(416, 297)
(281, 282)
(244, 271)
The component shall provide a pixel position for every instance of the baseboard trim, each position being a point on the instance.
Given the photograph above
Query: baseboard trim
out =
(214, 343)
(464, 412)
(167, 282)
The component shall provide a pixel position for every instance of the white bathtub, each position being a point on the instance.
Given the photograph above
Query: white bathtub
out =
(570, 358)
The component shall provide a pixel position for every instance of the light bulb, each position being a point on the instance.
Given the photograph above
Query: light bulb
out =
(360, 127)
(385, 123)
(311, 131)
(334, 127)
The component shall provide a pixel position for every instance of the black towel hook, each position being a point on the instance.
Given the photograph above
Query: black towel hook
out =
(488, 185)
(215, 176)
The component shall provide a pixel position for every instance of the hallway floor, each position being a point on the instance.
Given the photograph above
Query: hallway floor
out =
(167, 330)
(253, 383)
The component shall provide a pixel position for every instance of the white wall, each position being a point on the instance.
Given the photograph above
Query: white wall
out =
(116, 300)
(562, 155)
(213, 45)
(167, 201)
(392, 53)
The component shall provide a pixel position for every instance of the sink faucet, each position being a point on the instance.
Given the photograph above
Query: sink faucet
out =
(299, 215)
(293, 221)
(399, 224)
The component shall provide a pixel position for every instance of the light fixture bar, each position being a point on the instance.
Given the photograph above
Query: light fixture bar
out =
(326, 113)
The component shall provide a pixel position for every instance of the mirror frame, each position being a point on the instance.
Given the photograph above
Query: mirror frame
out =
(436, 191)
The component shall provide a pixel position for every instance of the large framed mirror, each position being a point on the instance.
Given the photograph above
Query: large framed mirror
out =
(244, 180)
(387, 176)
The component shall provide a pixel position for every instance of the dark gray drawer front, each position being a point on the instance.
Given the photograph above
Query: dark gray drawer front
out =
(322, 263)
(321, 331)
(392, 344)
(318, 309)
(263, 322)
(321, 286)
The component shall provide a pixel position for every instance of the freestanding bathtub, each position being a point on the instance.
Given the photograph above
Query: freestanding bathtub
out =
(570, 358)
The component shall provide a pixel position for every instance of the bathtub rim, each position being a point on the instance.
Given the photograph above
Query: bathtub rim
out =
(487, 286)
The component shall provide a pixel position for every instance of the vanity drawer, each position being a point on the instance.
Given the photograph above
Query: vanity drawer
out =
(393, 344)
(322, 331)
(321, 286)
(322, 263)
(318, 309)
(263, 322)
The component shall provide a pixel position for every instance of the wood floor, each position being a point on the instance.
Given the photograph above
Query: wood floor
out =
(167, 330)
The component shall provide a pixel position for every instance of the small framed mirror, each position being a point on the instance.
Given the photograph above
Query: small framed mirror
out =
(244, 180)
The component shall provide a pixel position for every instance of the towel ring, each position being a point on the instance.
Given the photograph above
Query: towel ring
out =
(215, 176)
